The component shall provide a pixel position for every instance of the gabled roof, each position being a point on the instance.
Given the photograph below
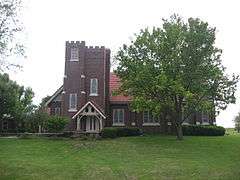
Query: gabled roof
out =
(114, 84)
(94, 106)
(54, 95)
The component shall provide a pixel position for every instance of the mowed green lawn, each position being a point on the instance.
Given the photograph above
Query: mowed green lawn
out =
(147, 157)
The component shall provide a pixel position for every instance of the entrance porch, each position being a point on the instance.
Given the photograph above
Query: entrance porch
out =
(89, 119)
(89, 124)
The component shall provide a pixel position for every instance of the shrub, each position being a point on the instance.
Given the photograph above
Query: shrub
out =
(56, 123)
(201, 130)
(34, 120)
(113, 132)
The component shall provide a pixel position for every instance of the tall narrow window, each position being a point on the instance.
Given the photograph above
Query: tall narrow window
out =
(73, 101)
(74, 54)
(118, 116)
(145, 116)
(94, 87)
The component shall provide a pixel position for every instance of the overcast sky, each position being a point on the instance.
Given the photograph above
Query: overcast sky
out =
(110, 23)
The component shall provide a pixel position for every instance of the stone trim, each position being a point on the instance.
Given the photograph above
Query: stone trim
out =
(72, 110)
(151, 124)
(118, 124)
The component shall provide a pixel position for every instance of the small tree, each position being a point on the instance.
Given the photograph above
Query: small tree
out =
(56, 123)
(177, 68)
(237, 122)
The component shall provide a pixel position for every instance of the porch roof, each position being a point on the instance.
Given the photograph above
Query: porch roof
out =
(92, 105)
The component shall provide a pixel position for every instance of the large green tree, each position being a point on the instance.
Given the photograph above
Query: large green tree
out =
(15, 100)
(10, 27)
(175, 68)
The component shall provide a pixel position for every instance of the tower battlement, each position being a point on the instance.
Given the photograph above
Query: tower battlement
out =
(75, 43)
(82, 44)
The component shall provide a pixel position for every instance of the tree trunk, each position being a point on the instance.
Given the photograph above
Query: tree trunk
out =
(179, 132)
(178, 117)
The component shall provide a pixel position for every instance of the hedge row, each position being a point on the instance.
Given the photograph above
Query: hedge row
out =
(113, 132)
(203, 130)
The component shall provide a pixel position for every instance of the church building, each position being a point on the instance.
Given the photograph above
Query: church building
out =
(86, 96)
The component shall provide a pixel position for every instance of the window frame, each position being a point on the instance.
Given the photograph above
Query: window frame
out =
(76, 54)
(91, 87)
(116, 122)
(70, 108)
(151, 120)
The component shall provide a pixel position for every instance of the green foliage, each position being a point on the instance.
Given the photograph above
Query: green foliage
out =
(35, 120)
(15, 100)
(113, 132)
(40, 120)
(56, 123)
(10, 27)
(176, 68)
(109, 132)
(201, 130)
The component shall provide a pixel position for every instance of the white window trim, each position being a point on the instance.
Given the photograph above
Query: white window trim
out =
(118, 123)
(93, 94)
(73, 60)
(70, 108)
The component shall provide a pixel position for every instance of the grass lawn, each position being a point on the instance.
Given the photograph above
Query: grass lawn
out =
(147, 157)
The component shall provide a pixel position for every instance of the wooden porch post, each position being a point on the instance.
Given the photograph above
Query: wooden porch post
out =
(78, 124)
(100, 119)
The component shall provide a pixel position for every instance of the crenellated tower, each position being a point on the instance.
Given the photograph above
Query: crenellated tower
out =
(86, 77)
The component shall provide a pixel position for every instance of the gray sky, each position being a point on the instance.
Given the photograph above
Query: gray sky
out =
(110, 23)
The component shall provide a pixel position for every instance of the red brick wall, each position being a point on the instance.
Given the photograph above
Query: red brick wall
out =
(94, 62)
